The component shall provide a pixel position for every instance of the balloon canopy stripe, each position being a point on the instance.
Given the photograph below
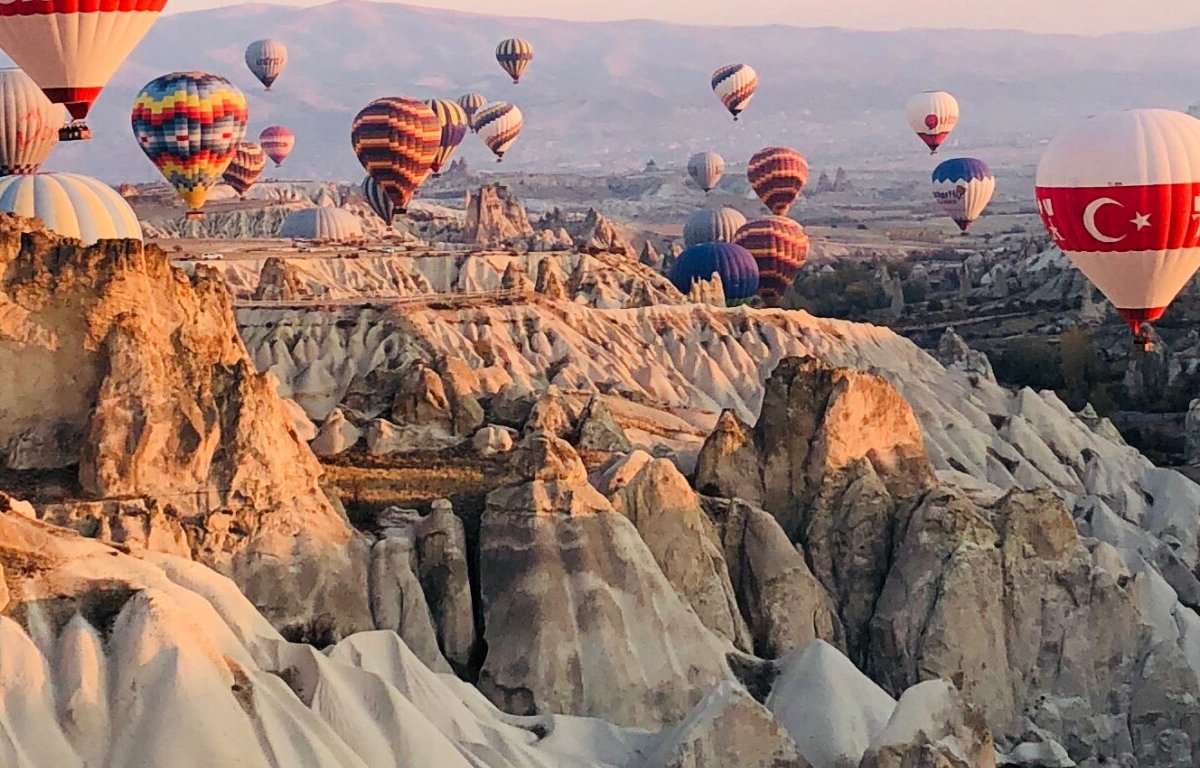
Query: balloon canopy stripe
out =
(47, 7)
(1122, 218)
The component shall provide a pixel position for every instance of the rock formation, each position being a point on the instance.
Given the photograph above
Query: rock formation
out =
(495, 216)
(954, 353)
(610, 637)
(126, 369)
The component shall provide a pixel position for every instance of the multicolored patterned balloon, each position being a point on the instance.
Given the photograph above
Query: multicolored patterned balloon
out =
(189, 124)
(29, 123)
(735, 265)
(277, 141)
(778, 176)
(471, 103)
(453, 120)
(514, 54)
(396, 141)
(378, 200)
(72, 48)
(498, 125)
(245, 168)
(780, 247)
(266, 59)
(735, 85)
(962, 187)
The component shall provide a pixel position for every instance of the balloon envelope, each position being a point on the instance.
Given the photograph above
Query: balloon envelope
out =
(706, 169)
(71, 205)
(709, 226)
(453, 121)
(378, 200)
(471, 103)
(72, 48)
(1120, 195)
(266, 59)
(29, 123)
(735, 265)
(245, 168)
(933, 115)
(735, 85)
(498, 125)
(189, 124)
(779, 246)
(778, 176)
(323, 223)
(962, 187)
(277, 141)
(396, 140)
(514, 55)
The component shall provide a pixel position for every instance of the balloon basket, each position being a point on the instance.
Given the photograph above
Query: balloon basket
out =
(193, 215)
(75, 132)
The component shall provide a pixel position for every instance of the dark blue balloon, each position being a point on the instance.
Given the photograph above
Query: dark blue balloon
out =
(735, 265)
(960, 169)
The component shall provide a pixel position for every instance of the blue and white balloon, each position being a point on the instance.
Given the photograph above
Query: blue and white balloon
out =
(962, 187)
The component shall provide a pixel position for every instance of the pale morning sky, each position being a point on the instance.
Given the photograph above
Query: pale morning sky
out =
(1088, 17)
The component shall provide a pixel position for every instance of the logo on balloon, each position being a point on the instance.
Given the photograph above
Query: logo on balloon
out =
(931, 121)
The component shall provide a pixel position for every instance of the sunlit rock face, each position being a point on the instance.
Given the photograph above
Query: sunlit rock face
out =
(130, 374)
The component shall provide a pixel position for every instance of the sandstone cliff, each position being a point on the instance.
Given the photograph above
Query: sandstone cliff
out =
(123, 371)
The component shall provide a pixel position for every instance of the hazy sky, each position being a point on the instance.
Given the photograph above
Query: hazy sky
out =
(1088, 17)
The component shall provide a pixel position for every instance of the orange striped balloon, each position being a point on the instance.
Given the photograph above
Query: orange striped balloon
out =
(247, 165)
(778, 176)
(396, 140)
(779, 246)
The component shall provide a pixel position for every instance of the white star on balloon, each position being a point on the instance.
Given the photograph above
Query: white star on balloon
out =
(1141, 221)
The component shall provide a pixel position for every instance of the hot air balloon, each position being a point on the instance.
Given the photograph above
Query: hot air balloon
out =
(189, 124)
(709, 226)
(396, 141)
(277, 141)
(29, 123)
(1120, 195)
(471, 103)
(245, 168)
(71, 49)
(779, 246)
(71, 205)
(962, 188)
(378, 200)
(323, 223)
(514, 54)
(266, 59)
(778, 176)
(735, 265)
(706, 169)
(453, 120)
(932, 114)
(498, 125)
(735, 85)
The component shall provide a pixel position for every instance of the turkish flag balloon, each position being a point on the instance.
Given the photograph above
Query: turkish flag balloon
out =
(1120, 194)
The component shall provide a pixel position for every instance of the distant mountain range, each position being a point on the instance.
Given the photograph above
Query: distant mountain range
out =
(605, 97)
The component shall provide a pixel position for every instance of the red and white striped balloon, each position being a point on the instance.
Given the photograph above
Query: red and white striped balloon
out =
(1120, 194)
